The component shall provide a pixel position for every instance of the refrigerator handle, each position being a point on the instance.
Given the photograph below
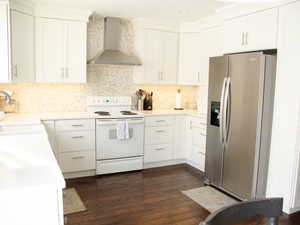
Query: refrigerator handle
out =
(222, 110)
(226, 104)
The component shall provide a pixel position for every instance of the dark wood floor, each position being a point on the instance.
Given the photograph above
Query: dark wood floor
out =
(151, 197)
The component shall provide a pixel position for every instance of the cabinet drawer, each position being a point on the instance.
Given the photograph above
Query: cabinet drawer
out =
(73, 125)
(158, 135)
(77, 161)
(75, 141)
(157, 153)
(198, 122)
(198, 157)
(156, 121)
(198, 138)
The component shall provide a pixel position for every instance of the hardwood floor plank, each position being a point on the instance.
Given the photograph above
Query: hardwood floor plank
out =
(149, 197)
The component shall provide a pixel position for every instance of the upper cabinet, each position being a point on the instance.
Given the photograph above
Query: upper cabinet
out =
(158, 51)
(42, 44)
(4, 43)
(22, 47)
(195, 50)
(251, 33)
(60, 51)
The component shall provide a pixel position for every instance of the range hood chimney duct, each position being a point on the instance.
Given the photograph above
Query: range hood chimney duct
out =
(111, 52)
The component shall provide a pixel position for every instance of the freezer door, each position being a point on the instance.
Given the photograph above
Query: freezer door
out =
(245, 97)
(218, 69)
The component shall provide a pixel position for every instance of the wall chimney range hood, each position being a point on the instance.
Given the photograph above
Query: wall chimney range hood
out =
(111, 53)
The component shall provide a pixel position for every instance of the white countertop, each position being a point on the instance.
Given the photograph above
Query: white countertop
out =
(22, 119)
(27, 161)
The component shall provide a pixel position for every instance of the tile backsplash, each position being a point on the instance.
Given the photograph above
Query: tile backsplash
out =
(102, 80)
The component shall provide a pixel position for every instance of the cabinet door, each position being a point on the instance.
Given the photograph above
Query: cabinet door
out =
(22, 36)
(189, 59)
(262, 30)
(4, 43)
(152, 59)
(233, 35)
(251, 33)
(210, 46)
(75, 52)
(169, 47)
(180, 135)
(49, 50)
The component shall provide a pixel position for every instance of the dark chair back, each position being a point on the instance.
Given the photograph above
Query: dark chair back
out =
(240, 212)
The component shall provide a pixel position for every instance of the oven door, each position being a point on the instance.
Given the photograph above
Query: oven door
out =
(109, 147)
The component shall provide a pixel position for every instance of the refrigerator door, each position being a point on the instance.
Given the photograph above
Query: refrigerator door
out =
(245, 99)
(218, 69)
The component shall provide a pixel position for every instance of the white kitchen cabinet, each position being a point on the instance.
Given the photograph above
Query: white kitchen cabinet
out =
(283, 174)
(250, 33)
(22, 47)
(76, 144)
(195, 51)
(196, 141)
(158, 153)
(169, 57)
(179, 140)
(189, 59)
(159, 138)
(75, 52)
(76, 141)
(159, 54)
(5, 74)
(59, 56)
(71, 162)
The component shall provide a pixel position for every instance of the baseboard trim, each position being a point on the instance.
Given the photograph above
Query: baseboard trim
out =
(88, 173)
(293, 210)
(191, 163)
(164, 163)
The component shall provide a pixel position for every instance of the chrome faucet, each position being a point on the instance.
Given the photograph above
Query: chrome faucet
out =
(8, 99)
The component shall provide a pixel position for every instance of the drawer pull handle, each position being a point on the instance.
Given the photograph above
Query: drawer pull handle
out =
(160, 121)
(78, 157)
(77, 137)
(160, 131)
(159, 149)
(77, 125)
(202, 134)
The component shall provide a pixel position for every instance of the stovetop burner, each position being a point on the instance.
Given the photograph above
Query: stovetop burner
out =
(128, 113)
(102, 113)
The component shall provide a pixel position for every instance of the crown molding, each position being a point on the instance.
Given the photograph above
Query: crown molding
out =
(49, 11)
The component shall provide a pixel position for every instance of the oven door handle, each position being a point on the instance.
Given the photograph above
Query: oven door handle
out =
(115, 122)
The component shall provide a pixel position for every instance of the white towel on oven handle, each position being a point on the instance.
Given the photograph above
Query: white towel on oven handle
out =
(122, 130)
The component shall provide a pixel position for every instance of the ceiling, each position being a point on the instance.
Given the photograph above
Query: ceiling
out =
(177, 10)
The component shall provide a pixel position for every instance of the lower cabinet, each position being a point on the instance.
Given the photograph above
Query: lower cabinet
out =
(196, 141)
(77, 161)
(73, 143)
(159, 152)
(159, 138)
(168, 140)
(175, 139)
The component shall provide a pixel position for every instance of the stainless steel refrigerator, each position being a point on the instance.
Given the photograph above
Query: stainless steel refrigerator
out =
(240, 108)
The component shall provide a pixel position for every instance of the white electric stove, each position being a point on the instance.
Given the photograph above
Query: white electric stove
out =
(113, 154)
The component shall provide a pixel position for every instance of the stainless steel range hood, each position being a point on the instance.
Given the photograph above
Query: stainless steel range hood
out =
(111, 52)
